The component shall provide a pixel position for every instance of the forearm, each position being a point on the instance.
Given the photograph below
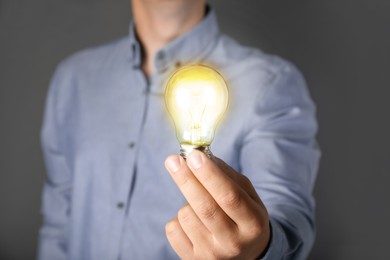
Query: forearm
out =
(280, 156)
(56, 197)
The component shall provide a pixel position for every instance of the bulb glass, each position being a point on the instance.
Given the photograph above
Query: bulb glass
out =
(196, 97)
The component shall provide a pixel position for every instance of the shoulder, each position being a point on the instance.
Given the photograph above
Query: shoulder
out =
(83, 70)
(260, 83)
(252, 65)
(251, 73)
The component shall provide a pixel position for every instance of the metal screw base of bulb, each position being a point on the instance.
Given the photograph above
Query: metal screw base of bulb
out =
(186, 149)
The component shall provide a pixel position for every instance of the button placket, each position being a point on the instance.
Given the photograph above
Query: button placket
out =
(160, 56)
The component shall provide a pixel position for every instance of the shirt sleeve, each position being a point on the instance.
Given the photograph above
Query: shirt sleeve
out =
(56, 197)
(280, 156)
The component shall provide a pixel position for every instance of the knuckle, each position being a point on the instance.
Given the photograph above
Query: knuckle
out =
(231, 200)
(183, 181)
(255, 230)
(235, 248)
(205, 178)
(207, 210)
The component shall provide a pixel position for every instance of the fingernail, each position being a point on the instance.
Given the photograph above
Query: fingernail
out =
(195, 159)
(173, 163)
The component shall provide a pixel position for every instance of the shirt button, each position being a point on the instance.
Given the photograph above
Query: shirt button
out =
(120, 205)
(131, 145)
(160, 55)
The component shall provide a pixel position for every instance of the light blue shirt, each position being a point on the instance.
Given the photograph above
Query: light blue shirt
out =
(106, 134)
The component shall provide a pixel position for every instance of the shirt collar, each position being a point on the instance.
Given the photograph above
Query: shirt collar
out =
(135, 46)
(190, 47)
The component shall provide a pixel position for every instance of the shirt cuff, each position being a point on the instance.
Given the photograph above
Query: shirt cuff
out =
(275, 248)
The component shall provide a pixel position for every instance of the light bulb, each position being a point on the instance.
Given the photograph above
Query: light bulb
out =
(196, 97)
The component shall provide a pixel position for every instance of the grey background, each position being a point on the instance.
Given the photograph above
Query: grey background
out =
(342, 47)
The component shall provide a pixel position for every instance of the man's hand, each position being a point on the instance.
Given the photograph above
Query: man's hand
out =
(224, 217)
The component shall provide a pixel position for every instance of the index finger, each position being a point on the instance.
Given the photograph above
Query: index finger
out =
(203, 204)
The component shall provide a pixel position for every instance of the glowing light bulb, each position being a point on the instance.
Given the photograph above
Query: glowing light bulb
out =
(196, 97)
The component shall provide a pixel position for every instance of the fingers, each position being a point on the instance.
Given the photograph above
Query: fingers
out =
(231, 198)
(193, 227)
(225, 217)
(178, 239)
(203, 204)
(238, 178)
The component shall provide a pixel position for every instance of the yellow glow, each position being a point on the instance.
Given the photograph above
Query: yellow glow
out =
(196, 97)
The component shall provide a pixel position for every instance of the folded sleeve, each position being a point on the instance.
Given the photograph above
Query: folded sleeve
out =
(56, 197)
(280, 156)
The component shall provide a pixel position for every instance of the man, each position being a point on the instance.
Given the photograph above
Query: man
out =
(106, 138)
